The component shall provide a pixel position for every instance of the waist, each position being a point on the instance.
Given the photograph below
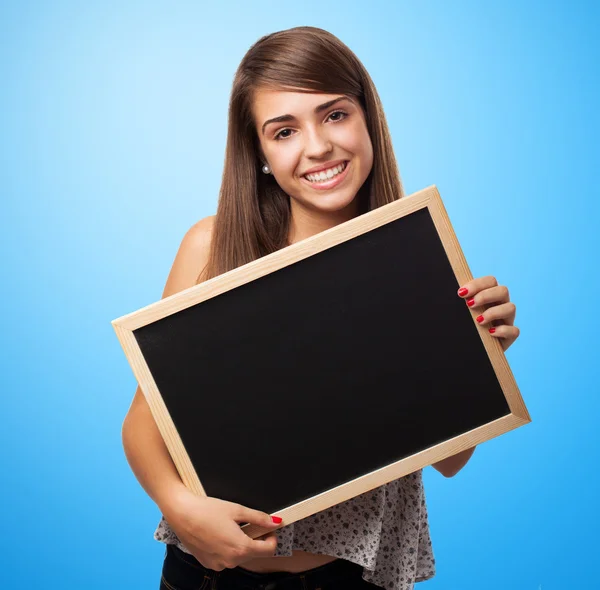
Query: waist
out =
(299, 561)
(334, 573)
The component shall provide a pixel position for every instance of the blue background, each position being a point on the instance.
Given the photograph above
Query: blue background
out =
(112, 126)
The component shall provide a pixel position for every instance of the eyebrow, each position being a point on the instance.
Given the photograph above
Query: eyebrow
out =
(317, 110)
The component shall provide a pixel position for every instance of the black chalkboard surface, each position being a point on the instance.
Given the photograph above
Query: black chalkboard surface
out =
(320, 372)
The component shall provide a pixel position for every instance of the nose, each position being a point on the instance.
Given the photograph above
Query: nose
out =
(317, 144)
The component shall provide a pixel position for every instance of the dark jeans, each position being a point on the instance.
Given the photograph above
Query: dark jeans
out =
(182, 571)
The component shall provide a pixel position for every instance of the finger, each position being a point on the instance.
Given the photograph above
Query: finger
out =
(504, 331)
(266, 536)
(505, 311)
(263, 546)
(497, 294)
(244, 514)
(476, 285)
(506, 335)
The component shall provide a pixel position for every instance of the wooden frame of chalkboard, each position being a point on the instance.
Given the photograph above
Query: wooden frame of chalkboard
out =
(351, 346)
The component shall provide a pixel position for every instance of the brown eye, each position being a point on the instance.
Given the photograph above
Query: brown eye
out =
(339, 113)
(278, 134)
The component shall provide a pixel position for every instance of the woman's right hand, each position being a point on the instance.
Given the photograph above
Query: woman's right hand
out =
(208, 527)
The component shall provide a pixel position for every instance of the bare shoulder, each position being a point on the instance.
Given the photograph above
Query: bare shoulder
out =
(201, 229)
(191, 257)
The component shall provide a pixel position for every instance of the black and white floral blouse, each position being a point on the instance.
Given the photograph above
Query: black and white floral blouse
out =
(385, 530)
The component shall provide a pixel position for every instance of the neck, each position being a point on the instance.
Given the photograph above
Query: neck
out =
(305, 222)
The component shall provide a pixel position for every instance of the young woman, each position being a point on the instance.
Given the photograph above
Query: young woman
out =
(308, 148)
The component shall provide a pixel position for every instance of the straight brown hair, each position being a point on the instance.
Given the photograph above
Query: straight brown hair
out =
(253, 212)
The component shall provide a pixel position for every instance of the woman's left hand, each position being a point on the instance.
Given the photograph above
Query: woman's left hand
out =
(499, 317)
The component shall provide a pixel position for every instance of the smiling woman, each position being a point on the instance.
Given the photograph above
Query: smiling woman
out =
(308, 148)
(289, 113)
(327, 148)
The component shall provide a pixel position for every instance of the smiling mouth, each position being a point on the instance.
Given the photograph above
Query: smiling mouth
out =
(326, 176)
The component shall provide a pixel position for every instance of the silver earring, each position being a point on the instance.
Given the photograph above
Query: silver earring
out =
(266, 169)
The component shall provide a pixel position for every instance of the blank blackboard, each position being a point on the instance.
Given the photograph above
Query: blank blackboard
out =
(325, 369)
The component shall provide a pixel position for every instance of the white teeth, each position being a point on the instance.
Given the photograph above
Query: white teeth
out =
(325, 174)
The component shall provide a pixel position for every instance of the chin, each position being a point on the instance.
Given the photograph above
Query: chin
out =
(327, 203)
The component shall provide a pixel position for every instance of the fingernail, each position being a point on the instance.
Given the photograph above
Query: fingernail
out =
(492, 330)
(479, 318)
(276, 519)
(462, 291)
(471, 302)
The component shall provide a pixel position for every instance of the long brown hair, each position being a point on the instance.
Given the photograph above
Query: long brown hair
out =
(253, 212)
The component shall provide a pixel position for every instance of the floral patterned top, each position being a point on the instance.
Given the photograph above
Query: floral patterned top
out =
(386, 530)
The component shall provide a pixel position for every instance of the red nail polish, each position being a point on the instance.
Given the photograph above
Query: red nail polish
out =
(471, 302)
(462, 292)
(492, 330)
(479, 318)
(276, 519)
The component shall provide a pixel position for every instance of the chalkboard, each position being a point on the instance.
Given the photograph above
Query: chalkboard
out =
(326, 369)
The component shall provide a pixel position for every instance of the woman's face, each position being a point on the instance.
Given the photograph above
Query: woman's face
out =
(310, 134)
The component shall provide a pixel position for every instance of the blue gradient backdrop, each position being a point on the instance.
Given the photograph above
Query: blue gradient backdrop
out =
(112, 126)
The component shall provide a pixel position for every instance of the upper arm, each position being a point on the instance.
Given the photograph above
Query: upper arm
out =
(190, 260)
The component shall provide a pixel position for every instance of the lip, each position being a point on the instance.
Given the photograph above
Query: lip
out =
(323, 186)
(331, 164)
